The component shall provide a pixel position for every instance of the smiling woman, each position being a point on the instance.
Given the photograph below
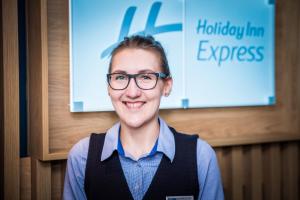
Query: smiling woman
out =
(137, 107)
(141, 157)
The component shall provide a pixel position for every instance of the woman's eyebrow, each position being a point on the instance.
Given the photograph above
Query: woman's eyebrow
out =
(145, 71)
(120, 71)
(139, 72)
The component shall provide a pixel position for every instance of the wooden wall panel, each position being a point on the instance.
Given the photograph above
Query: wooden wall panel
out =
(58, 129)
(261, 171)
(237, 173)
(250, 172)
(265, 171)
(224, 158)
(41, 180)
(256, 172)
(25, 179)
(272, 170)
(290, 171)
(1, 109)
(58, 169)
(9, 103)
(66, 128)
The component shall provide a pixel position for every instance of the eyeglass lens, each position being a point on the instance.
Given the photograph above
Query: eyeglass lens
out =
(144, 81)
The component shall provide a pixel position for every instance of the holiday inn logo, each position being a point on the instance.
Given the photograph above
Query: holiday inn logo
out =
(150, 26)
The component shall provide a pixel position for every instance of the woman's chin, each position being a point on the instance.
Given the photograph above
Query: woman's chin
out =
(135, 123)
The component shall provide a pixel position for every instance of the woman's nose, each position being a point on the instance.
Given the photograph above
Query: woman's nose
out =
(133, 90)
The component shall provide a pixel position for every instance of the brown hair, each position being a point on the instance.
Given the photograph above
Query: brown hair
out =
(143, 42)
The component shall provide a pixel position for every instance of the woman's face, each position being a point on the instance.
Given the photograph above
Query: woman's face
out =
(134, 106)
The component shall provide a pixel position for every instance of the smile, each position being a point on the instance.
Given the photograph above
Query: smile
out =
(134, 105)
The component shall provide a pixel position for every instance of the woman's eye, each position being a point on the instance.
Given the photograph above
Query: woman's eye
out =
(146, 77)
(120, 77)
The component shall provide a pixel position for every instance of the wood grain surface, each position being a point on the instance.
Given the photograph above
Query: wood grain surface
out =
(9, 101)
(54, 129)
(255, 160)
(219, 126)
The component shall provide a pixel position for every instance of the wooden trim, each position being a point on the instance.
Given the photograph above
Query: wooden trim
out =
(254, 139)
(44, 66)
(10, 101)
(37, 48)
(40, 180)
(1, 110)
(214, 143)
(298, 66)
(56, 156)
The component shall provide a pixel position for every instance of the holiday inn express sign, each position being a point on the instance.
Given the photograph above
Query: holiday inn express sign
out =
(224, 53)
(221, 53)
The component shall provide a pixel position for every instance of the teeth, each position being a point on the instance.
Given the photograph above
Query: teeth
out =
(134, 105)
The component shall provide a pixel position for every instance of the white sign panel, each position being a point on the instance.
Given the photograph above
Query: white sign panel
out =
(220, 53)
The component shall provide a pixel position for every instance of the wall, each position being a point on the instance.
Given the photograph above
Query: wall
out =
(9, 101)
(257, 147)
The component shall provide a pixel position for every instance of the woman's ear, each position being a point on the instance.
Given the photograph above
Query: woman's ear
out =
(168, 83)
(108, 90)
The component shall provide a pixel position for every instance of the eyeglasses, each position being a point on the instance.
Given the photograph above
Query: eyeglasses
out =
(144, 81)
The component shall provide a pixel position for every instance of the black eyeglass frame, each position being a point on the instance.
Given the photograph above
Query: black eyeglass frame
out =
(157, 74)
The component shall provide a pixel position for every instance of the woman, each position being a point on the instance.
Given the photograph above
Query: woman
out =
(140, 157)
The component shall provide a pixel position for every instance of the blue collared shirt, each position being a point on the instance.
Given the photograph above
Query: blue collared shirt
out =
(139, 173)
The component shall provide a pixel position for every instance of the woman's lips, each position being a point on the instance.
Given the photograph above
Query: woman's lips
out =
(134, 105)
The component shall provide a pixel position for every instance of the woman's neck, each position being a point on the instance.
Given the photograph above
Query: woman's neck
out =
(139, 141)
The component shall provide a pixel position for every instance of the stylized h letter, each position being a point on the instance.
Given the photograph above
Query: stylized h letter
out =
(149, 28)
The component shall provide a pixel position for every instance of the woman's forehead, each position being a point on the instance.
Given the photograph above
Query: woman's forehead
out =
(135, 60)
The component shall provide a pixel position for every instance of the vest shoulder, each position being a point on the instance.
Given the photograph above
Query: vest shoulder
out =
(183, 135)
(80, 149)
(98, 135)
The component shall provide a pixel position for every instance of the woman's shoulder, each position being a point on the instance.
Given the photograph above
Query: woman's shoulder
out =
(205, 150)
(203, 147)
(79, 149)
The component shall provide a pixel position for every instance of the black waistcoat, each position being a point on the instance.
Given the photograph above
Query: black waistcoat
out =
(106, 180)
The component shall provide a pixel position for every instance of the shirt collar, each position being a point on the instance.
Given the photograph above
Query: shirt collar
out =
(110, 141)
(165, 143)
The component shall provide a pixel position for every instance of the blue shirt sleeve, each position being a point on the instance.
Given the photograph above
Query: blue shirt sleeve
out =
(209, 176)
(75, 171)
